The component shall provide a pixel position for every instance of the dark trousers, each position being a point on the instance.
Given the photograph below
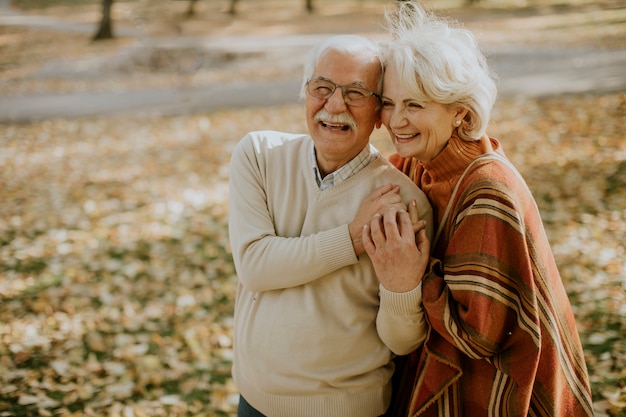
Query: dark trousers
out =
(246, 410)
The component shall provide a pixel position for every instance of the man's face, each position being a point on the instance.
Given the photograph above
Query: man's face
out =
(340, 131)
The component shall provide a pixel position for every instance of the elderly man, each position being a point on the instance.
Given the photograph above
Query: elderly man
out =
(315, 332)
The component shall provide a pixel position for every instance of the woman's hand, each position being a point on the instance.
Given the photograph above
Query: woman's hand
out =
(400, 258)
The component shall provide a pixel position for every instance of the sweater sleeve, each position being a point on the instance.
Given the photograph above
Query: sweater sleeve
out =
(479, 294)
(264, 260)
(400, 321)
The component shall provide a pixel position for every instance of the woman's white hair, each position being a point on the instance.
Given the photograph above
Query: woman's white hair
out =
(348, 44)
(440, 61)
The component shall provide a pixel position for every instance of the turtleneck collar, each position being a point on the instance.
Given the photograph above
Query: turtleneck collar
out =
(457, 155)
(438, 177)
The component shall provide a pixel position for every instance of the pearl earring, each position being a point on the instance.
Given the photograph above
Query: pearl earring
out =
(457, 123)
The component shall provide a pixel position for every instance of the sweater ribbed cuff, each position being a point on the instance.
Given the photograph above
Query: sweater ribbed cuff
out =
(336, 248)
(401, 303)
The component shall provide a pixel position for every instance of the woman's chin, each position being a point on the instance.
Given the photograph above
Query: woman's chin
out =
(404, 151)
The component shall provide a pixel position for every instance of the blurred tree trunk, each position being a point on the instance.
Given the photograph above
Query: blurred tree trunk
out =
(233, 7)
(105, 31)
(192, 8)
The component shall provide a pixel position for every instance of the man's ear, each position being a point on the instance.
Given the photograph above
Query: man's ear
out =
(379, 123)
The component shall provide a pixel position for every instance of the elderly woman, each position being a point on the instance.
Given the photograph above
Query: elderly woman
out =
(502, 337)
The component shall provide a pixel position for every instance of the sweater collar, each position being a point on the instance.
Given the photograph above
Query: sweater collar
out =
(457, 155)
(355, 165)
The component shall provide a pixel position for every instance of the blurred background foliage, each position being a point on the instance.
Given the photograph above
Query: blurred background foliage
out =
(116, 276)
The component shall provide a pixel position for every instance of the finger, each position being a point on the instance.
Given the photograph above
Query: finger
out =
(391, 200)
(390, 203)
(423, 244)
(390, 222)
(406, 226)
(387, 191)
(413, 211)
(420, 225)
(377, 230)
(368, 243)
(392, 189)
(380, 191)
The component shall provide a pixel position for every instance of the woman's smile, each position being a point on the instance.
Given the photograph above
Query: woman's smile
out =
(404, 137)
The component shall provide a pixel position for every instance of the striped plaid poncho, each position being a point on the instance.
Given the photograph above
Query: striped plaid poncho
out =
(502, 338)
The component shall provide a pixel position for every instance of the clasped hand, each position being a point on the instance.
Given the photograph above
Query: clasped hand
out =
(394, 238)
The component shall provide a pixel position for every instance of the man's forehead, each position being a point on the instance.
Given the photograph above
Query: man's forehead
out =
(361, 67)
(364, 57)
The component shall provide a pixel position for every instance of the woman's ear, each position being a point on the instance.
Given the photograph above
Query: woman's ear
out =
(379, 123)
(460, 113)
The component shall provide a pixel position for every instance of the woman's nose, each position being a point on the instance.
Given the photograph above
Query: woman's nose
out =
(398, 118)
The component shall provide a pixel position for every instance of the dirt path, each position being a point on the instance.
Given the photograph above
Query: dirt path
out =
(247, 70)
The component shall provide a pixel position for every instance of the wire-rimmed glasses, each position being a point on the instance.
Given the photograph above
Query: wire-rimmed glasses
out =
(353, 95)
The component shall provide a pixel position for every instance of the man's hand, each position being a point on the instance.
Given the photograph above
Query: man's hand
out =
(382, 198)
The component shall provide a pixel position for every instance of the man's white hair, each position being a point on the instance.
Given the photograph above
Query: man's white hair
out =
(349, 44)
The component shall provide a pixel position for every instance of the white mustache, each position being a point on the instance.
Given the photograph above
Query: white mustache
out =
(342, 118)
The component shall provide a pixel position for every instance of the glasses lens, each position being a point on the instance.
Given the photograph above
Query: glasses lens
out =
(356, 96)
(321, 88)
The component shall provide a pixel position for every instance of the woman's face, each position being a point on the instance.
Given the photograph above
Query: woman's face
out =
(417, 129)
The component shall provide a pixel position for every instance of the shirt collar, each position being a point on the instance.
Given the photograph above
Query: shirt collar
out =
(337, 177)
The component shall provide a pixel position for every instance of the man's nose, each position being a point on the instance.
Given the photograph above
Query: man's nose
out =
(335, 103)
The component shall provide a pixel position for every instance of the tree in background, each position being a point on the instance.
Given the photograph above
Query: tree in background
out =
(105, 31)
(233, 7)
(191, 10)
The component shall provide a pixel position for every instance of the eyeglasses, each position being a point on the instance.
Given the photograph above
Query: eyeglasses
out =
(352, 95)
